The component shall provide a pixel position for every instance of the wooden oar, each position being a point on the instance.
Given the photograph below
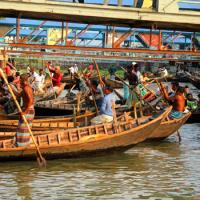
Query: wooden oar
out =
(99, 74)
(136, 94)
(93, 98)
(114, 117)
(40, 158)
(70, 90)
(118, 94)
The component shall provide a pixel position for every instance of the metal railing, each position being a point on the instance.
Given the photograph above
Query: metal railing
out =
(131, 3)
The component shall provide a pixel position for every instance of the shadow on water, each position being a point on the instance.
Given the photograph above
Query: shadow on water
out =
(151, 170)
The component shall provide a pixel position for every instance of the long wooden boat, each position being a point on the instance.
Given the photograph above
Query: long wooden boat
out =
(195, 117)
(58, 107)
(50, 123)
(48, 95)
(114, 83)
(83, 141)
(168, 127)
(195, 81)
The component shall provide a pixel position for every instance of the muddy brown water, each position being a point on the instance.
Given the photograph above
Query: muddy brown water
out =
(159, 170)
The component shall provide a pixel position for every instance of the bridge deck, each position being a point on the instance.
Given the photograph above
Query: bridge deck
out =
(100, 14)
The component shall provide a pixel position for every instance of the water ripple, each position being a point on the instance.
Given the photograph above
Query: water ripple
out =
(166, 170)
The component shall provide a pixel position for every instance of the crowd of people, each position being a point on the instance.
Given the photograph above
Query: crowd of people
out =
(26, 85)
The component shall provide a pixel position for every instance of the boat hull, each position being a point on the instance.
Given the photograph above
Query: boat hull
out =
(167, 128)
(99, 138)
(194, 118)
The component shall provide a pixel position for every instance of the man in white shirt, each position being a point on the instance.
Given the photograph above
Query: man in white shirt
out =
(73, 70)
(137, 72)
(37, 80)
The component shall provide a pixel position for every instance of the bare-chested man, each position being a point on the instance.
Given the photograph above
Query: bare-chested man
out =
(23, 135)
(178, 102)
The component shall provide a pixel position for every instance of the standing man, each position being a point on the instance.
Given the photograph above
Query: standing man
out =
(23, 135)
(73, 70)
(56, 79)
(177, 101)
(137, 72)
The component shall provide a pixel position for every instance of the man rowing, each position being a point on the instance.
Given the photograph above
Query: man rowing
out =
(177, 101)
(22, 134)
(56, 78)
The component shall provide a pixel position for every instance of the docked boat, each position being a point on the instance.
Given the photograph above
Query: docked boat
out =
(49, 123)
(118, 135)
(115, 84)
(195, 80)
(195, 117)
(50, 94)
(62, 106)
(168, 127)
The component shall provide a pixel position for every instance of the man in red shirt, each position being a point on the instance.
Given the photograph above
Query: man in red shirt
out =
(57, 76)
(56, 79)
(7, 70)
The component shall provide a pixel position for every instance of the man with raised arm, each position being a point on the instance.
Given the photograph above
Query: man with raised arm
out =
(177, 101)
(56, 79)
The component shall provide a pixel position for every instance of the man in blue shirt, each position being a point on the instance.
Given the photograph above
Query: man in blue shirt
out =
(106, 113)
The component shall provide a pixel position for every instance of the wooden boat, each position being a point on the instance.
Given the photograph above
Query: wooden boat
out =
(49, 123)
(195, 80)
(51, 109)
(168, 127)
(115, 84)
(83, 141)
(195, 117)
(182, 78)
(49, 95)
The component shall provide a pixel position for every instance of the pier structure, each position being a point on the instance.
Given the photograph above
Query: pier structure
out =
(161, 30)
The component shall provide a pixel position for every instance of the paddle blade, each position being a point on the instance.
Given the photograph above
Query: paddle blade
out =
(41, 161)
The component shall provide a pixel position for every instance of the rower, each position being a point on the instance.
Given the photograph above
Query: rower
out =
(98, 92)
(112, 70)
(137, 72)
(73, 70)
(41, 80)
(174, 87)
(34, 79)
(162, 71)
(186, 90)
(198, 100)
(56, 79)
(106, 112)
(133, 82)
(191, 102)
(178, 102)
(88, 72)
(22, 134)
(7, 101)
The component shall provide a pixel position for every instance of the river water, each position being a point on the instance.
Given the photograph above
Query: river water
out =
(159, 170)
(163, 170)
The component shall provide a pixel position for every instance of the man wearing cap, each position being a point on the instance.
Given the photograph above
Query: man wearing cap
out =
(137, 72)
